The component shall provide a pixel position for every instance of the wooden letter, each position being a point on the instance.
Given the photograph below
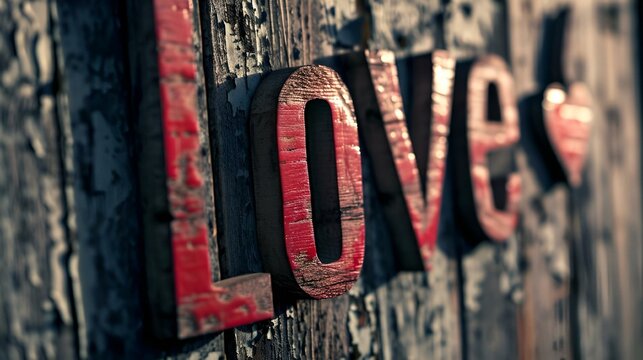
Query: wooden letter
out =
(561, 115)
(412, 201)
(176, 212)
(485, 130)
(300, 209)
(568, 120)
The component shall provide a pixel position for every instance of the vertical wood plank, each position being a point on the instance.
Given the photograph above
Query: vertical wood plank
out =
(97, 78)
(92, 65)
(37, 309)
(608, 303)
(416, 313)
(145, 105)
(243, 40)
(544, 319)
(603, 230)
(489, 271)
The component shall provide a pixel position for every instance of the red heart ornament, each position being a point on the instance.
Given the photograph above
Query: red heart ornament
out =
(568, 120)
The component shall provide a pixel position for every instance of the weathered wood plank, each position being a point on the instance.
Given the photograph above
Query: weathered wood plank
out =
(544, 319)
(489, 271)
(574, 266)
(609, 306)
(602, 233)
(94, 77)
(38, 314)
(95, 73)
(417, 313)
(243, 40)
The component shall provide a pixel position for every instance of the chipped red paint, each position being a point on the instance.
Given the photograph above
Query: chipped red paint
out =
(568, 120)
(203, 307)
(485, 136)
(315, 278)
(423, 209)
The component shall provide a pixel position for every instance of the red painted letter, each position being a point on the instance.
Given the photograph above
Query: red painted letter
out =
(568, 120)
(199, 306)
(286, 107)
(561, 116)
(415, 225)
(485, 131)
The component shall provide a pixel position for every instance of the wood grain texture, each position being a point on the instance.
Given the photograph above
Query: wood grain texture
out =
(103, 89)
(328, 279)
(37, 260)
(201, 306)
(599, 233)
(519, 299)
(243, 40)
(293, 229)
(489, 272)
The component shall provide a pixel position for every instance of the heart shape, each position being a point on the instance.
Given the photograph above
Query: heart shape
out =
(568, 119)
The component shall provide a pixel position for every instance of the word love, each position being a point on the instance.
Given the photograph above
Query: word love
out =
(305, 125)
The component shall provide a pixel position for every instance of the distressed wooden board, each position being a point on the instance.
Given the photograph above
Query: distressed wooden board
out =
(544, 323)
(608, 304)
(248, 39)
(94, 78)
(37, 310)
(243, 40)
(94, 63)
(388, 314)
(415, 314)
(607, 242)
(490, 282)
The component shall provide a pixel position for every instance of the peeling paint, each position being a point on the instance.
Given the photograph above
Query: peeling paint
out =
(264, 35)
(215, 355)
(406, 27)
(272, 329)
(470, 25)
(362, 324)
(59, 251)
(475, 268)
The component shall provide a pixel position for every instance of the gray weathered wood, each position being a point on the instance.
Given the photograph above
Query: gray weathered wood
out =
(71, 275)
(544, 319)
(37, 310)
(490, 283)
(607, 208)
(417, 313)
(243, 40)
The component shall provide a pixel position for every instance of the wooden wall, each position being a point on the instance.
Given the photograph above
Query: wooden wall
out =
(71, 274)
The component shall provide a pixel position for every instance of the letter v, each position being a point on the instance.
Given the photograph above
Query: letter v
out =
(411, 206)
